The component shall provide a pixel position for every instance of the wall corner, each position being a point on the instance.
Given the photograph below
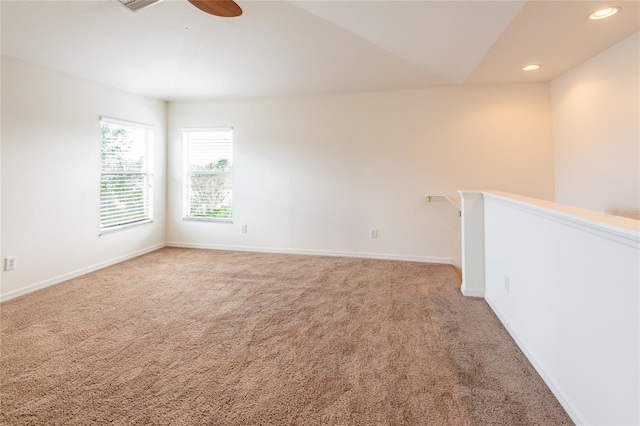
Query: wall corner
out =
(472, 232)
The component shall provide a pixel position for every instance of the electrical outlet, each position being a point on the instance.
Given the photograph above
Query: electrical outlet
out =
(244, 229)
(10, 263)
(506, 283)
(373, 233)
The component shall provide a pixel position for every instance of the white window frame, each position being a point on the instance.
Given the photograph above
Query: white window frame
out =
(188, 173)
(109, 220)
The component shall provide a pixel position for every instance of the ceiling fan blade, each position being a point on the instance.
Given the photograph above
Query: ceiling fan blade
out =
(224, 8)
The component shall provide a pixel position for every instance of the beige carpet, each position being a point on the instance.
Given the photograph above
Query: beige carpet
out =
(182, 336)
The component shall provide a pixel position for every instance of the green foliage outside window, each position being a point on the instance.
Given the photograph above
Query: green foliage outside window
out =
(124, 183)
(211, 194)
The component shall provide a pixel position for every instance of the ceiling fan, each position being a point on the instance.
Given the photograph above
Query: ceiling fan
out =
(224, 8)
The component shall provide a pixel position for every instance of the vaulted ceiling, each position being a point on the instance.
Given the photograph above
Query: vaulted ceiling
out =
(173, 51)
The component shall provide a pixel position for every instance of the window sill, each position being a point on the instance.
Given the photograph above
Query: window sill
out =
(119, 228)
(207, 219)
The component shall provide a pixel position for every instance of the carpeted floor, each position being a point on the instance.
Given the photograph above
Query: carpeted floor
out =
(197, 337)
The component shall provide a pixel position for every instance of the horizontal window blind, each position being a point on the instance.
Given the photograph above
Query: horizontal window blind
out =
(126, 183)
(209, 173)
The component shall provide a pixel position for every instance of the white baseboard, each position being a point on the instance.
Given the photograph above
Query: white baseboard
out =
(385, 256)
(471, 292)
(64, 277)
(560, 395)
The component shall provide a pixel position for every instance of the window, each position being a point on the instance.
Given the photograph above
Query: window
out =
(208, 174)
(126, 192)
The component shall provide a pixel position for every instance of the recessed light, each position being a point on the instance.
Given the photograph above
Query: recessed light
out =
(604, 13)
(531, 67)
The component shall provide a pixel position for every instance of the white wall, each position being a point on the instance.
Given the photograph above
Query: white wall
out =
(572, 303)
(472, 242)
(51, 175)
(596, 131)
(315, 173)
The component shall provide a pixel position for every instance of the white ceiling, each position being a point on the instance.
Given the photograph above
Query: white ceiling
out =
(173, 51)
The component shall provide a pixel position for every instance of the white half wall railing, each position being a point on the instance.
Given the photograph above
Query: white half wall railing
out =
(565, 282)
